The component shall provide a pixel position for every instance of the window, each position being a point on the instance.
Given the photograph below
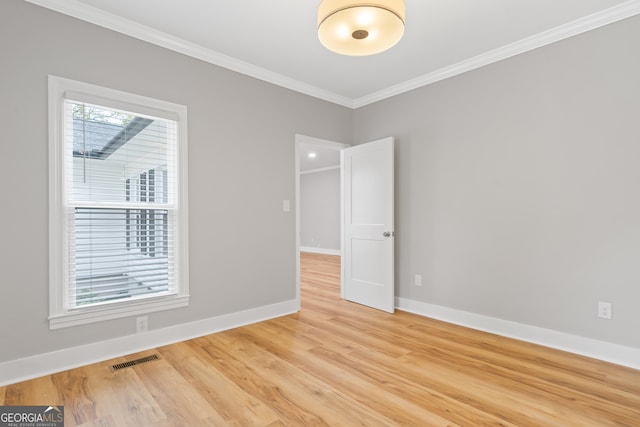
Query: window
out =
(118, 204)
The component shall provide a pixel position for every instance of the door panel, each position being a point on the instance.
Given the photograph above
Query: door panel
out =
(368, 259)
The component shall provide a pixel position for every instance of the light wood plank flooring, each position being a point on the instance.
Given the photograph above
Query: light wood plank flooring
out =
(340, 364)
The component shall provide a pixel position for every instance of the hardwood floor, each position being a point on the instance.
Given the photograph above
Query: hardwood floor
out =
(340, 364)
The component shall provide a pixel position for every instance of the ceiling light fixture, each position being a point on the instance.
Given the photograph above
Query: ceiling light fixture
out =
(359, 28)
(312, 155)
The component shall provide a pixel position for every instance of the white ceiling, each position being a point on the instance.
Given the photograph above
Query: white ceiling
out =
(276, 40)
(325, 157)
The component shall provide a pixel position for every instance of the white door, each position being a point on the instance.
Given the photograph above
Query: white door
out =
(368, 275)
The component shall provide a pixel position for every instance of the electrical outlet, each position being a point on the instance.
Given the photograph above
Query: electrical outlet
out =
(142, 324)
(418, 280)
(604, 310)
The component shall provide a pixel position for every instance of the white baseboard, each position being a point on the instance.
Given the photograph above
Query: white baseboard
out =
(320, 250)
(609, 352)
(14, 371)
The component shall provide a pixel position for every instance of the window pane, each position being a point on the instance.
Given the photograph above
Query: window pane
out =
(106, 268)
(109, 147)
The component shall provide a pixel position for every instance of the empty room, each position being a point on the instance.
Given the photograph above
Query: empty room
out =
(341, 213)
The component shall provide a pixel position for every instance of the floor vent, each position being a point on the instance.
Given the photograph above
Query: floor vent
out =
(130, 363)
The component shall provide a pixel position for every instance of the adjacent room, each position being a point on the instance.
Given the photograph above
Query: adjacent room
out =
(245, 213)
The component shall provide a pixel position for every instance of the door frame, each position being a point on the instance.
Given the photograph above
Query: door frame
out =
(325, 143)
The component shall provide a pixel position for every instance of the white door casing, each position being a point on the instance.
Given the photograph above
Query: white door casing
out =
(368, 224)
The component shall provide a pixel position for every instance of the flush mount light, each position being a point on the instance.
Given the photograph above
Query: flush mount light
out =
(312, 155)
(359, 28)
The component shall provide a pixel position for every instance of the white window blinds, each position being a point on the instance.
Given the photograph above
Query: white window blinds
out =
(120, 200)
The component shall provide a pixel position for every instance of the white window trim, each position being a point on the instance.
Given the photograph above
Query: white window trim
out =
(59, 317)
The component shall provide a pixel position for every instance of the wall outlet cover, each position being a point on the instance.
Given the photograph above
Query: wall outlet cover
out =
(604, 310)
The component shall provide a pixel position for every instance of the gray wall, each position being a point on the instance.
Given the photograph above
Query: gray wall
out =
(517, 186)
(241, 167)
(320, 210)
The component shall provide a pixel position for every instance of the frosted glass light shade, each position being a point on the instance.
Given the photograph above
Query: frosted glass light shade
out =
(359, 28)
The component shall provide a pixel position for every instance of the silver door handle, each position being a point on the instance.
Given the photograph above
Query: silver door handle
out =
(388, 234)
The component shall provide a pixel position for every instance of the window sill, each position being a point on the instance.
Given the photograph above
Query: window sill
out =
(115, 311)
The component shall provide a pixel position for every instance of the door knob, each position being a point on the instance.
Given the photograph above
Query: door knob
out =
(387, 234)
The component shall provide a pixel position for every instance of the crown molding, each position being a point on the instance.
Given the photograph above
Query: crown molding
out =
(591, 22)
(116, 23)
(327, 169)
(113, 22)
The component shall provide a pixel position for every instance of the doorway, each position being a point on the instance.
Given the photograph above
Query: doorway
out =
(318, 228)
(366, 221)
